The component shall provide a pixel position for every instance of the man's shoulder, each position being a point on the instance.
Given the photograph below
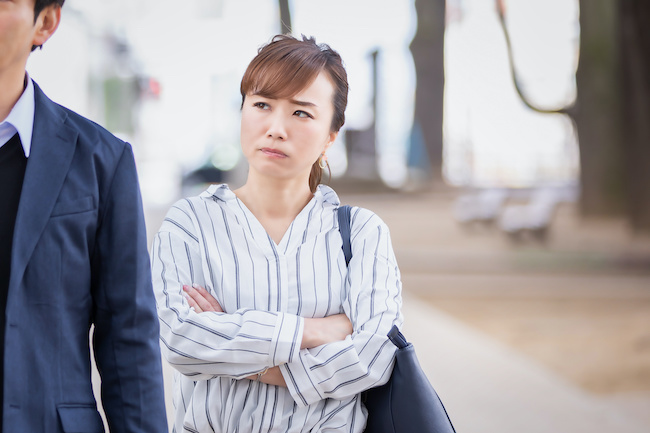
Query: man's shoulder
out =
(89, 132)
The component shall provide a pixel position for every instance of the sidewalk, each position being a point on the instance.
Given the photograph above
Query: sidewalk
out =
(489, 388)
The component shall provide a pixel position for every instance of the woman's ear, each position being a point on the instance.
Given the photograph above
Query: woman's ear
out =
(46, 24)
(332, 139)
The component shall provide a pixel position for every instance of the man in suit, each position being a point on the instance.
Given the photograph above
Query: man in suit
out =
(72, 254)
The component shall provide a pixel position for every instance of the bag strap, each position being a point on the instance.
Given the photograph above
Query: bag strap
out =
(343, 214)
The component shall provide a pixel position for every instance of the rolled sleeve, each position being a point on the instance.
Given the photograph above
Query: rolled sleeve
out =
(209, 344)
(365, 359)
(287, 338)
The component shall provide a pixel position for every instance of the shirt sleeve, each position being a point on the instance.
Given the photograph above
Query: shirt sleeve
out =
(209, 344)
(365, 359)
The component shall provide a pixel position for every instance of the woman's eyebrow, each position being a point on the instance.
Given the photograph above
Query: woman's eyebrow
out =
(291, 100)
(303, 103)
(261, 95)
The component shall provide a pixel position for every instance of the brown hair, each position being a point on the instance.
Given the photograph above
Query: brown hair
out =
(287, 65)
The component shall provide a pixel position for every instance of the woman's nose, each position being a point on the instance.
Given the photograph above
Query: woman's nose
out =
(277, 128)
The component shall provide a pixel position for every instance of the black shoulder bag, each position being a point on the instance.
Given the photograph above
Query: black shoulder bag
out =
(407, 403)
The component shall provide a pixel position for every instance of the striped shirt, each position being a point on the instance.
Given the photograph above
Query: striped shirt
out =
(265, 290)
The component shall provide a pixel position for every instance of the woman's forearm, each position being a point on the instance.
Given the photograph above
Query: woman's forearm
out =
(319, 331)
(316, 331)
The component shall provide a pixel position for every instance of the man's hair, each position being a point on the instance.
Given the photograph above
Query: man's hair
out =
(39, 5)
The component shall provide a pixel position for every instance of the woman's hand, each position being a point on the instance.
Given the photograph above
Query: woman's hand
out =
(325, 330)
(201, 300)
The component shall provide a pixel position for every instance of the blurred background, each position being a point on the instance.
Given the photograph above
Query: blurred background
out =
(505, 143)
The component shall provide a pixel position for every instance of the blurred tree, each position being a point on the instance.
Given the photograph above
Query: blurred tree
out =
(121, 96)
(427, 48)
(634, 37)
(285, 17)
(597, 110)
(612, 109)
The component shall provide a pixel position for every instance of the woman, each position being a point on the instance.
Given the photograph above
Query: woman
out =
(269, 329)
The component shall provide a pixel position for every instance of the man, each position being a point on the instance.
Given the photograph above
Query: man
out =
(72, 254)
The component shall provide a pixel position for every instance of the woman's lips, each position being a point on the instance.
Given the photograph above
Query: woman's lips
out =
(273, 152)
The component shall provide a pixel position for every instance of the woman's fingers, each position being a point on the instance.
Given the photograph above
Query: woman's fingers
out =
(200, 300)
(214, 304)
(200, 304)
(194, 306)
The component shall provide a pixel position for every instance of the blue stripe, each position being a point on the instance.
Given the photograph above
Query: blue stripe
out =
(235, 258)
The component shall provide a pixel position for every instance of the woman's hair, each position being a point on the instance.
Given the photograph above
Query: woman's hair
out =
(286, 66)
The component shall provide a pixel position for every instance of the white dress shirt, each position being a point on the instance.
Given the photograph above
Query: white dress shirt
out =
(265, 290)
(20, 119)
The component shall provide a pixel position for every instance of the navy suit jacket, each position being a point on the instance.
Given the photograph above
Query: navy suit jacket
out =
(80, 258)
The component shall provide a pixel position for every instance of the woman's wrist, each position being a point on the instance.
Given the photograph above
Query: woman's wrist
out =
(262, 373)
(270, 376)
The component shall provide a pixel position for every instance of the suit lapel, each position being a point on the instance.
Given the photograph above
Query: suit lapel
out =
(53, 146)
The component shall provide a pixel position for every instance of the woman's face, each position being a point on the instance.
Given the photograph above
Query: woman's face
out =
(282, 138)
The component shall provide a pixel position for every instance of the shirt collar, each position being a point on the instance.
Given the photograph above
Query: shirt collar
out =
(222, 192)
(21, 117)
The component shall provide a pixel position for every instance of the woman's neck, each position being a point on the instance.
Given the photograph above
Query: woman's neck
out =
(275, 203)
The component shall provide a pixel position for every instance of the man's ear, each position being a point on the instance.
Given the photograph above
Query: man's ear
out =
(46, 24)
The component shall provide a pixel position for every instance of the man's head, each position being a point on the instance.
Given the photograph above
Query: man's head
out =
(20, 32)
(39, 5)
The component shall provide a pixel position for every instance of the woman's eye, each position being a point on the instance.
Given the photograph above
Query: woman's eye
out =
(301, 113)
(262, 105)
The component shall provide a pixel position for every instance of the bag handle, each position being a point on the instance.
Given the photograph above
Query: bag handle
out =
(397, 338)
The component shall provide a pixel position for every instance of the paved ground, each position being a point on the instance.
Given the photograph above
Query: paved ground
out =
(489, 387)
(527, 338)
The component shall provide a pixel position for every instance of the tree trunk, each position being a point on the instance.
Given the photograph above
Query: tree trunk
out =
(635, 92)
(612, 110)
(428, 55)
(598, 108)
(285, 17)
